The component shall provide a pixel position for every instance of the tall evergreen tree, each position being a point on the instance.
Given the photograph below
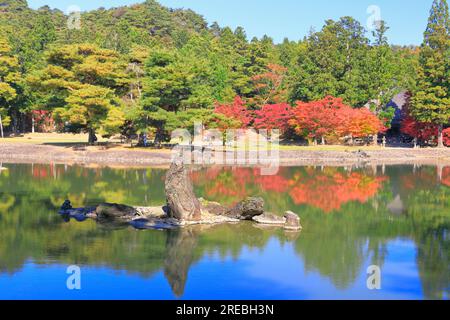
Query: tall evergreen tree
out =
(431, 102)
(9, 78)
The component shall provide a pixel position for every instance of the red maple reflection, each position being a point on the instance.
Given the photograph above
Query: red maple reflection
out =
(275, 183)
(327, 189)
(446, 176)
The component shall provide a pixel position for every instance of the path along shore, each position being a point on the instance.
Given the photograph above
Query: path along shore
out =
(126, 157)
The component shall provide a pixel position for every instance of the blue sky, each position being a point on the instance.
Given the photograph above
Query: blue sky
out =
(288, 18)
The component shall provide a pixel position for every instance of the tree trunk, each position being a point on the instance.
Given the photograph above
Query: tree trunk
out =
(32, 123)
(441, 136)
(22, 123)
(92, 137)
(323, 141)
(159, 137)
(1, 126)
(375, 139)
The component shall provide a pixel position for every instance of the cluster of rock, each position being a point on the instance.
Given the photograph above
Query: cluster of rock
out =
(183, 208)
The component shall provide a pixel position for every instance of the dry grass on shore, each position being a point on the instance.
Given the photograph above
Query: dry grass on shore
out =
(50, 138)
(71, 140)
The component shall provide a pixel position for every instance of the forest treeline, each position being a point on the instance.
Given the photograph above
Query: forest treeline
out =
(148, 69)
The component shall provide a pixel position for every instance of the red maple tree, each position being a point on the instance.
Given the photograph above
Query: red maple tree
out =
(330, 118)
(273, 116)
(236, 110)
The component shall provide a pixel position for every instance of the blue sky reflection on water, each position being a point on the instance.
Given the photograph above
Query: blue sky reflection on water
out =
(276, 272)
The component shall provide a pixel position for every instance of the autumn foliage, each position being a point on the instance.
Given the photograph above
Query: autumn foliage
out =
(426, 132)
(275, 116)
(43, 120)
(328, 118)
(236, 110)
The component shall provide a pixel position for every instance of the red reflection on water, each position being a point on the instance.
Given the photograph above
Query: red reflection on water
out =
(326, 189)
(330, 190)
(426, 178)
(275, 183)
(446, 176)
(40, 171)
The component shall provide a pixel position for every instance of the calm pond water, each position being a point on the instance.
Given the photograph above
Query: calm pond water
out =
(396, 217)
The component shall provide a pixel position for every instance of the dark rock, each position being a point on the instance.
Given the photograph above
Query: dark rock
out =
(269, 219)
(112, 211)
(66, 206)
(292, 221)
(247, 209)
(166, 210)
(79, 214)
(181, 200)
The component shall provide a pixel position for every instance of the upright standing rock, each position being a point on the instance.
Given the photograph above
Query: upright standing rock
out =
(181, 200)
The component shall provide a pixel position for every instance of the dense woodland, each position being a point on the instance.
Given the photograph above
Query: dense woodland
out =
(146, 69)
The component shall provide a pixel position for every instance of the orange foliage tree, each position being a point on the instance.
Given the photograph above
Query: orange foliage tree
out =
(331, 119)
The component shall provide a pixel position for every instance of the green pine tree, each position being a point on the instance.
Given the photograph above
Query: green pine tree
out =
(83, 84)
(431, 101)
(9, 77)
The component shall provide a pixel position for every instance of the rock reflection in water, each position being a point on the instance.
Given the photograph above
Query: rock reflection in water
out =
(180, 247)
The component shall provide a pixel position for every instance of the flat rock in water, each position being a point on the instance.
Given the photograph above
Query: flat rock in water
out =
(270, 219)
(157, 212)
(214, 208)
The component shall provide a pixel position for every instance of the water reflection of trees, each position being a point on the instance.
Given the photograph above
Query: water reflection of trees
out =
(327, 188)
(357, 226)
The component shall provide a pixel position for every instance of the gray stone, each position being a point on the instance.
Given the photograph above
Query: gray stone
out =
(214, 208)
(247, 209)
(292, 221)
(270, 219)
(181, 200)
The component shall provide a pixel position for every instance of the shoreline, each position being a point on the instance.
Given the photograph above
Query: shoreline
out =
(121, 157)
